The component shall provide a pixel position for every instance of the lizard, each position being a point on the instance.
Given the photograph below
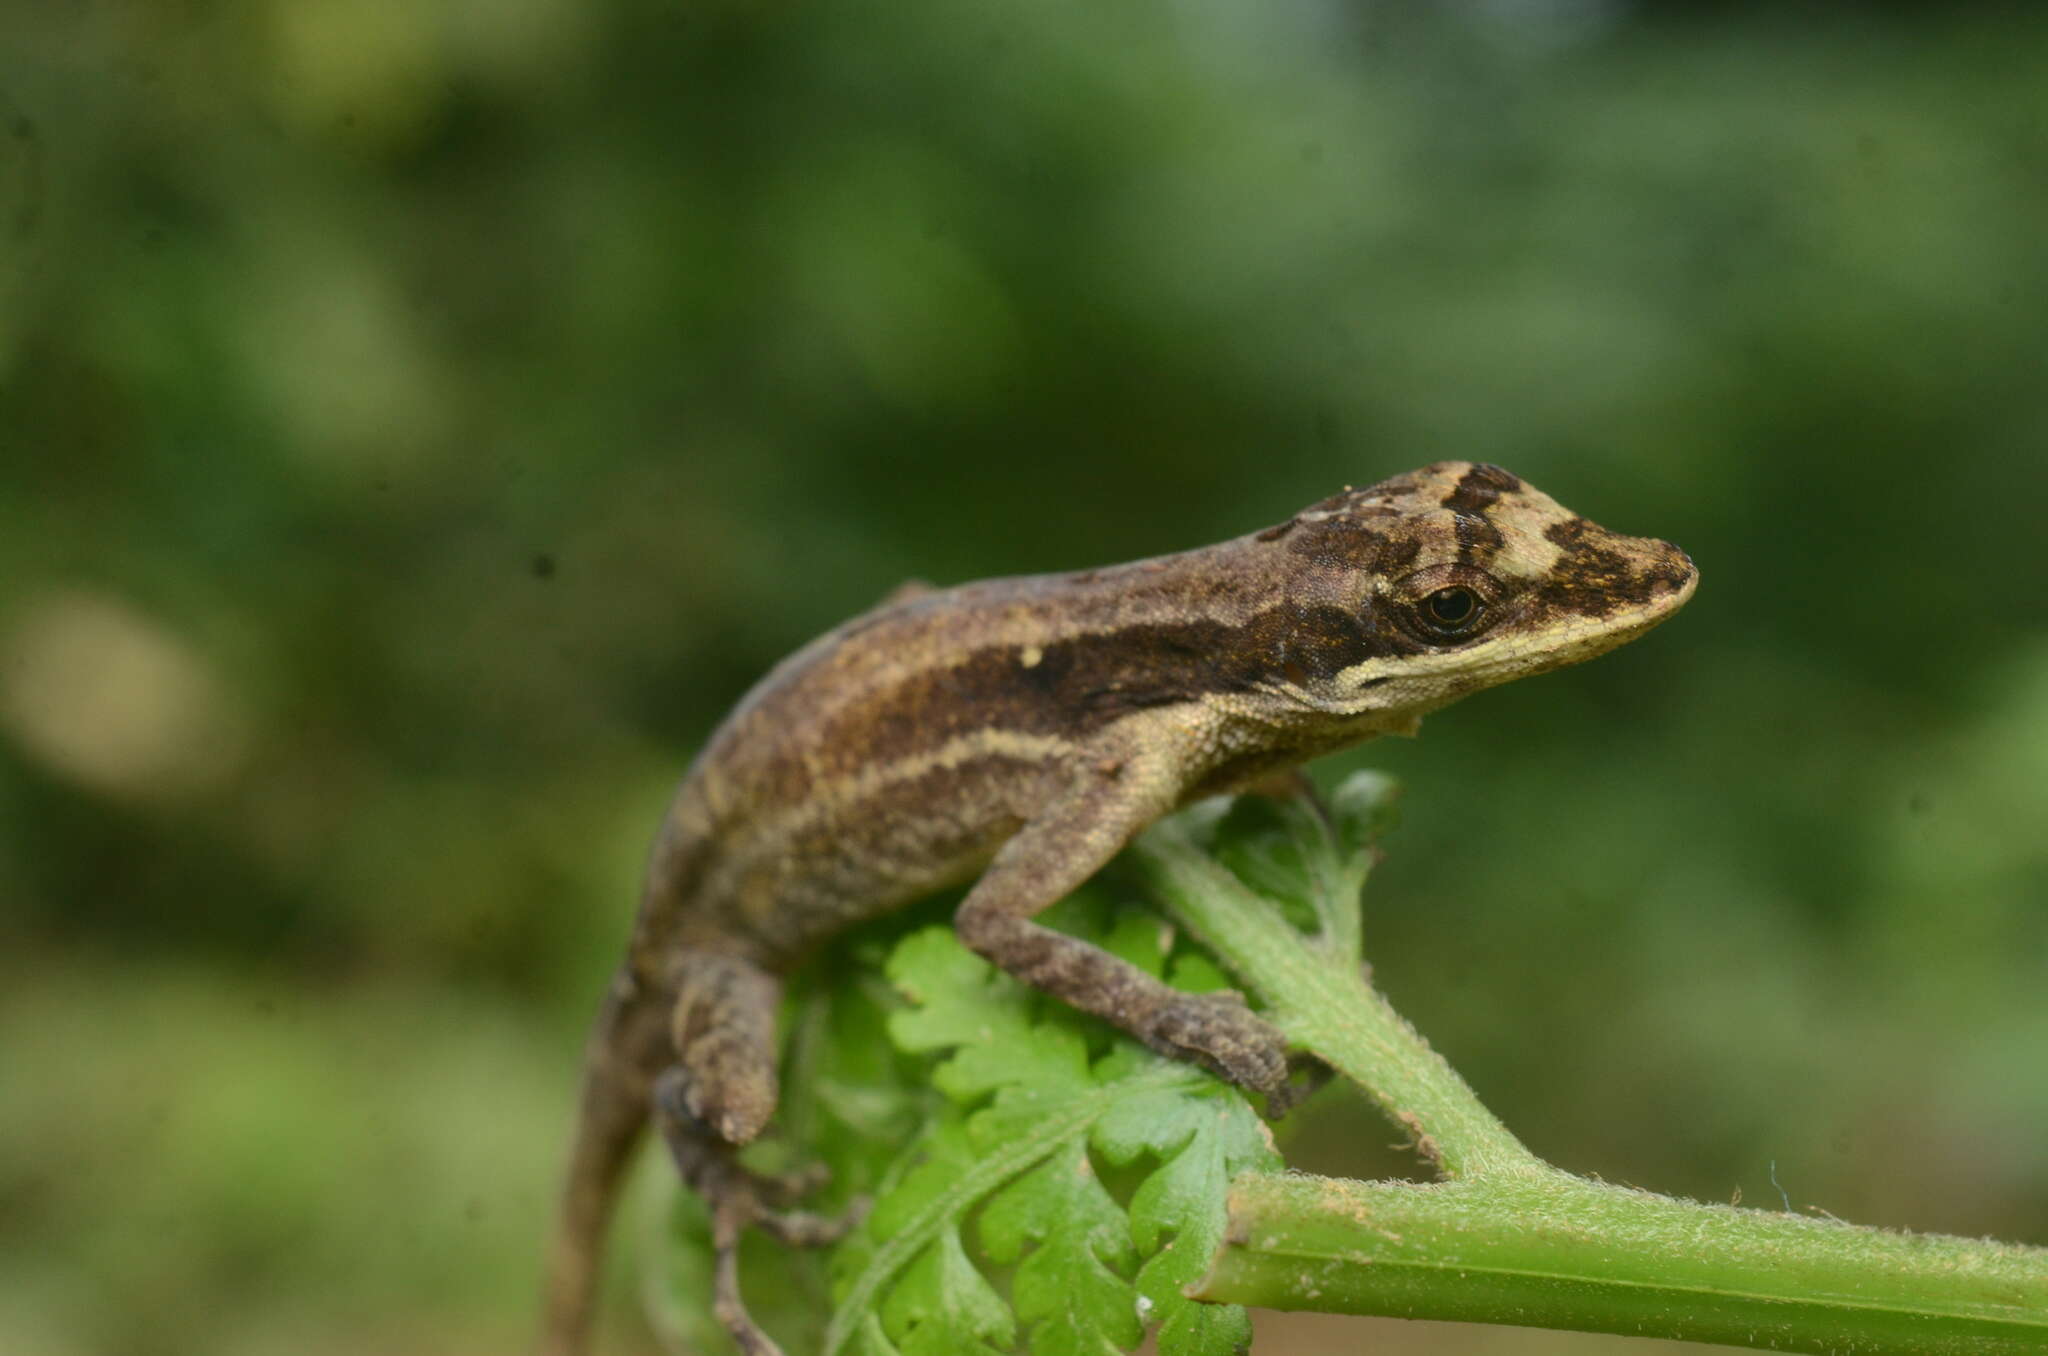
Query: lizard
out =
(1017, 733)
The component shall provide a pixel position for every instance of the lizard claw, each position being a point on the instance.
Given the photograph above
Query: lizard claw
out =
(739, 1197)
(1220, 1033)
(736, 1203)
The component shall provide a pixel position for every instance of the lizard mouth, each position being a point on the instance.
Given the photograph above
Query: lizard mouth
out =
(1671, 585)
(1630, 607)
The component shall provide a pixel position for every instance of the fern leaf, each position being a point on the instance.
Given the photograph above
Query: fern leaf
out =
(1025, 1105)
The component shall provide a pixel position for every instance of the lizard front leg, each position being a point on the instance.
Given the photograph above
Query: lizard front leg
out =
(1051, 855)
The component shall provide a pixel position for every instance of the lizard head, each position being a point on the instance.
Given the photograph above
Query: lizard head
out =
(1457, 577)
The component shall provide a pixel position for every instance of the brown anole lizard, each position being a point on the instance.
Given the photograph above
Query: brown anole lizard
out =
(1023, 731)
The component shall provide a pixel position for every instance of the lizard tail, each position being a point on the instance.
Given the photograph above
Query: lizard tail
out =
(629, 1046)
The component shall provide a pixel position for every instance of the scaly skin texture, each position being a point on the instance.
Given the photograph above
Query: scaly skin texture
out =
(1024, 730)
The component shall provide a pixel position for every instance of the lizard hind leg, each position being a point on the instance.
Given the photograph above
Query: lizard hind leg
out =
(723, 1027)
(718, 1096)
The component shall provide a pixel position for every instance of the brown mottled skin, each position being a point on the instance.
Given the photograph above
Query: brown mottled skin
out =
(1023, 731)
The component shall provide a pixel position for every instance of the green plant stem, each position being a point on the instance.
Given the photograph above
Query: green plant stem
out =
(1506, 1238)
(1557, 1251)
(1320, 998)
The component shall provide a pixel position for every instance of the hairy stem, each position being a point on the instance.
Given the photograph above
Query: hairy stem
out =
(1560, 1252)
(1505, 1238)
(1320, 998)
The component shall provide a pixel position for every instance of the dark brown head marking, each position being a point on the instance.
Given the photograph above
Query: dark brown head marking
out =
(1591, 578)
(1476, 492)
(1478, 538)
(1347, 543)
(1477, 489)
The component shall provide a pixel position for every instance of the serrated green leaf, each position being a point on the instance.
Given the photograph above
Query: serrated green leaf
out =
(1025, 1103)
(1186, 1198)
(1022, 1096)
(1309, 859)
(1029, 1086)
(984, 1017)
(1044, 1097)
(1178, 1213)
(1070, 1288)
(943, 1306)
(870, 1340)
(936, 1161)
(957, 999)
(1259, 843)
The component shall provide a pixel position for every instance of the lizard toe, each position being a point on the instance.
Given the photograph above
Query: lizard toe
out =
(1219, 1032)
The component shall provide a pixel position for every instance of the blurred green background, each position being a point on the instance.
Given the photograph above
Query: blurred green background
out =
(419, 419)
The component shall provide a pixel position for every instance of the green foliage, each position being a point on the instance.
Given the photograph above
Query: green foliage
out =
(1200, 1147)
(1033, 1094)
(1038, 1181)
(1310, 865)
(1072, 1248)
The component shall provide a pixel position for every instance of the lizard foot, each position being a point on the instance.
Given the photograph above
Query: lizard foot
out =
(1217, 1031)
(801, 1228)
(738, 1197)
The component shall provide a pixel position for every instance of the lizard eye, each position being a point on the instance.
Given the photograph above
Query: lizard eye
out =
(1452, 611)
